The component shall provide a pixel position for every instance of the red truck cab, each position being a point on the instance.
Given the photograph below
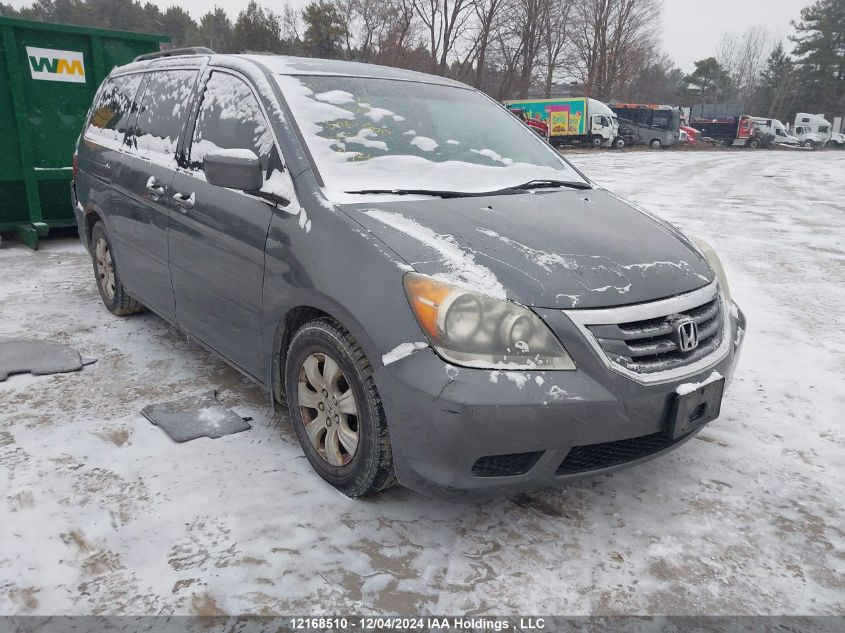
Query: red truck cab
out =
(538, 125)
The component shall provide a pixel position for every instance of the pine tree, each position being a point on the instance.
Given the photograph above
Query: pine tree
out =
(820, 51)
(257, 29)
(778, 85)
(324, 30)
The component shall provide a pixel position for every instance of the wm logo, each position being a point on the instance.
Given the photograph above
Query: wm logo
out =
(47, 64)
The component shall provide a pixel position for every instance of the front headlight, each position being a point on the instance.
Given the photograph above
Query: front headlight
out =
(474, 330)
(715, 263)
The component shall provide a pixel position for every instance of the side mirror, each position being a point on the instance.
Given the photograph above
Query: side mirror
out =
(233, 169)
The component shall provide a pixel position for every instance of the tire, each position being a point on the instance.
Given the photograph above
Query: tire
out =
(115, 297)
(618, 142)
(310, 379)
(597, 141)
(808, 143)
(655, 143)
(754, 143)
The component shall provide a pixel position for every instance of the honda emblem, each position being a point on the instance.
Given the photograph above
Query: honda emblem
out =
(687, 335)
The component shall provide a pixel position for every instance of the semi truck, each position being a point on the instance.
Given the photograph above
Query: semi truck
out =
(738, 131)
(775, 128)
(572, 121)
(817, 124)
(657, 125)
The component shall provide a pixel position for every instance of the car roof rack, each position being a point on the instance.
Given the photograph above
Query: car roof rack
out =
(174, 52)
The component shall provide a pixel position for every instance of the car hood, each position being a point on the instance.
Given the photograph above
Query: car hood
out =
(550, 248)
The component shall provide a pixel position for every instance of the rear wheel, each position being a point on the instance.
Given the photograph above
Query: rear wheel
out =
(618, 142)
(114, 295)
(754, 143)
(336, 409)
(656, 143)
(597, 141)
(808, 143)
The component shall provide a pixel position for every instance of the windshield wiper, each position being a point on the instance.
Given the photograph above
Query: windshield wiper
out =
(420, 192)
(531, 184)
(546, 184)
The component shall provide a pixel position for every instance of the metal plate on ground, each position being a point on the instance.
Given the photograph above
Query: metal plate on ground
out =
(21, 356)
(195, 416)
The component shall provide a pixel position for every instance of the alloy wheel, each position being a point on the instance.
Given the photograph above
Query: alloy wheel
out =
(329, 410)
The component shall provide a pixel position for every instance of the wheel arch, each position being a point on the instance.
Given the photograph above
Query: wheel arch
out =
(92, 216)
(296, 317)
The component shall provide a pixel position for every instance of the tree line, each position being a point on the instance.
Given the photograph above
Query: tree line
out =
(607, 49)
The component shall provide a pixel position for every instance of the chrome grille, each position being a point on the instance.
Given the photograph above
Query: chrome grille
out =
(649, 345)
(641, 341)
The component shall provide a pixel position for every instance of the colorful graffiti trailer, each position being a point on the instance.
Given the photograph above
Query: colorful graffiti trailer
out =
(565, 117)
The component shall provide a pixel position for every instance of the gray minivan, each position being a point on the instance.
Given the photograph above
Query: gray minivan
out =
(435, 293)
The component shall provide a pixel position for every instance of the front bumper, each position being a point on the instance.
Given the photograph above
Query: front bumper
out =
(444, 419)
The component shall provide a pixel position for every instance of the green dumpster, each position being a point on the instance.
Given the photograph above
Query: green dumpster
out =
(48, 76)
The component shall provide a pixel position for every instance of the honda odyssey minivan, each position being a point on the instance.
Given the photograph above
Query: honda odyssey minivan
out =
(438, 297)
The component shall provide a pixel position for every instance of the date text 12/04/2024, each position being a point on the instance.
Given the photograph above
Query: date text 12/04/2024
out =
(374, 623)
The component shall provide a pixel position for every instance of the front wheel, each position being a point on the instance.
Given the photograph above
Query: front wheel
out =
(808, 143)
(336, 409)
(656, 143)
(618, 143)
(754, 143)
(114, 295)
(597, 141)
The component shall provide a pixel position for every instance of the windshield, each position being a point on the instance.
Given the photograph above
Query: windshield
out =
(366, 134)
(668, 120)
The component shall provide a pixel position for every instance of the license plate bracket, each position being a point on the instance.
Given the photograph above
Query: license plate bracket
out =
(696, 408)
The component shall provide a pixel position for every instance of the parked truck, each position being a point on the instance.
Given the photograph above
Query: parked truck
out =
(738, 131)
(808, 138)
(816, 124)
(776, 129)
(657, 125)
(572, 121)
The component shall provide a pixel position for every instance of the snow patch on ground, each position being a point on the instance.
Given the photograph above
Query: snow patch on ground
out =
(103, 513)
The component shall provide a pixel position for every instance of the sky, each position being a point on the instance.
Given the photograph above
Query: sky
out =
(691, 30)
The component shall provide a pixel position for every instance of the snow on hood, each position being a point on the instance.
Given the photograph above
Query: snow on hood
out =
(555, 249)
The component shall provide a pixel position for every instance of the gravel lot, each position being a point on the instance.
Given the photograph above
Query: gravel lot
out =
(102, 513)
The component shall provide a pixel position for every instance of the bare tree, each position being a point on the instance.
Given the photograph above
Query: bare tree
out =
(486, 13)
(556, 39)
(445, 22)
(744, 57)
(614, 39)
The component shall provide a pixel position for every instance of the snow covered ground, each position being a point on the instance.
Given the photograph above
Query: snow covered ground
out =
(101, 513)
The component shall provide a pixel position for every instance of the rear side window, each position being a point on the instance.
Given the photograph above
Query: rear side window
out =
(230, 118)
(161, 114)
(114, 107)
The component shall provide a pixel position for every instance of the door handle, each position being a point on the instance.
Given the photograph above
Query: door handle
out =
(185, 203)
(153, 187)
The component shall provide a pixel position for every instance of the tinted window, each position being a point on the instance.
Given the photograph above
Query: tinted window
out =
(162, 112)
(230, 118)
(110, 116)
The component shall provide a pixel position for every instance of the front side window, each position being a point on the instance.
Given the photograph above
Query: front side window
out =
(111, 114)
(161, 114)
(230, 117)
(366, 133)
